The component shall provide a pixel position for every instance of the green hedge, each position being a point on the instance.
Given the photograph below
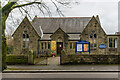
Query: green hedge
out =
(16, 59)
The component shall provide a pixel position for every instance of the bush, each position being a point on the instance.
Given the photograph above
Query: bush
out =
(9, 49)
(16, 59)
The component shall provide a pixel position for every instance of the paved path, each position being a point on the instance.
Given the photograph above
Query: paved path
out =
(54, 60)
(49, 61)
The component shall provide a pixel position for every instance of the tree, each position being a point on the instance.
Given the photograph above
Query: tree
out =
(6, 10)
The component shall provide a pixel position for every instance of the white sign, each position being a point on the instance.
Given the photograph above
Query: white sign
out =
(79, 47)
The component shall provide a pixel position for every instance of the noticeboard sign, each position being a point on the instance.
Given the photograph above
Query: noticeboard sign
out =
(86, 47)
(102, 46)
(79, 47)
(82, 46)
(53, 47)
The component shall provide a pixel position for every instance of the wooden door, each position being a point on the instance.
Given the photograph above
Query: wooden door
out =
(59, 47)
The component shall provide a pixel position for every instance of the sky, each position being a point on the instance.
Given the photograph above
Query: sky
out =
(106, 9)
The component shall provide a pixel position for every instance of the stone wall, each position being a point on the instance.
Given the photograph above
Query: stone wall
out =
(89, 59)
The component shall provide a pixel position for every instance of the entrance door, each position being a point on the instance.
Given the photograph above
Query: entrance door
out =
(59, 47)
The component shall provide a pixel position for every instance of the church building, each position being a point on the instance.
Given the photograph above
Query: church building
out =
(47, 34)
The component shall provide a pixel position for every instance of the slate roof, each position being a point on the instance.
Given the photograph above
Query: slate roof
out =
(46, 37)
(67, 24)
(74, 36)
(71, 37)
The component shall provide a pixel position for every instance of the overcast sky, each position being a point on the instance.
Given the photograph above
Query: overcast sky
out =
(106, 9)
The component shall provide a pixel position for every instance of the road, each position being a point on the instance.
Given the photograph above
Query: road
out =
(62, 75)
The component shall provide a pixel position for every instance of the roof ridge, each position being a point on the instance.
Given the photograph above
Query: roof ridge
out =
(60, 17)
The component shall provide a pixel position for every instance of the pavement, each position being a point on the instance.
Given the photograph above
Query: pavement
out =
(66, 67)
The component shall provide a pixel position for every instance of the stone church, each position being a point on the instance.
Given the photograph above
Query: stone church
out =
(64, 32)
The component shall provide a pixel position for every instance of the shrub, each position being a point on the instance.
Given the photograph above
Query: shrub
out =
(9, 49)
(16, 59)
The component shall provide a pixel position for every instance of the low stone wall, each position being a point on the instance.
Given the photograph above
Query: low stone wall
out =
(89, 59)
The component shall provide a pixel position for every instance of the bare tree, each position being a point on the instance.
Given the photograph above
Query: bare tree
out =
(25, 8)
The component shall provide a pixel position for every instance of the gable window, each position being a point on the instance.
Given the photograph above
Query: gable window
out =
(25, 41)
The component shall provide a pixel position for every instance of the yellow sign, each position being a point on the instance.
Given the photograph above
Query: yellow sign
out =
(86, 47)
(53, 45)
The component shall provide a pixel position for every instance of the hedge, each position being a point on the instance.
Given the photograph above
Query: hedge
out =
(16, 59)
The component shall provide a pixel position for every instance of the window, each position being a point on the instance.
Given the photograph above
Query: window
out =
(45, 45)
(91, 46)
(90, 36)
(95, 24)
(42, 45)
(115, 42)
(95, 36)
(70, 45)
(110, 42)
(25, 40)
(23, 35)
(74, 45)
(95, 45)
(23, 44)
(27, 36)
(48, 45)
